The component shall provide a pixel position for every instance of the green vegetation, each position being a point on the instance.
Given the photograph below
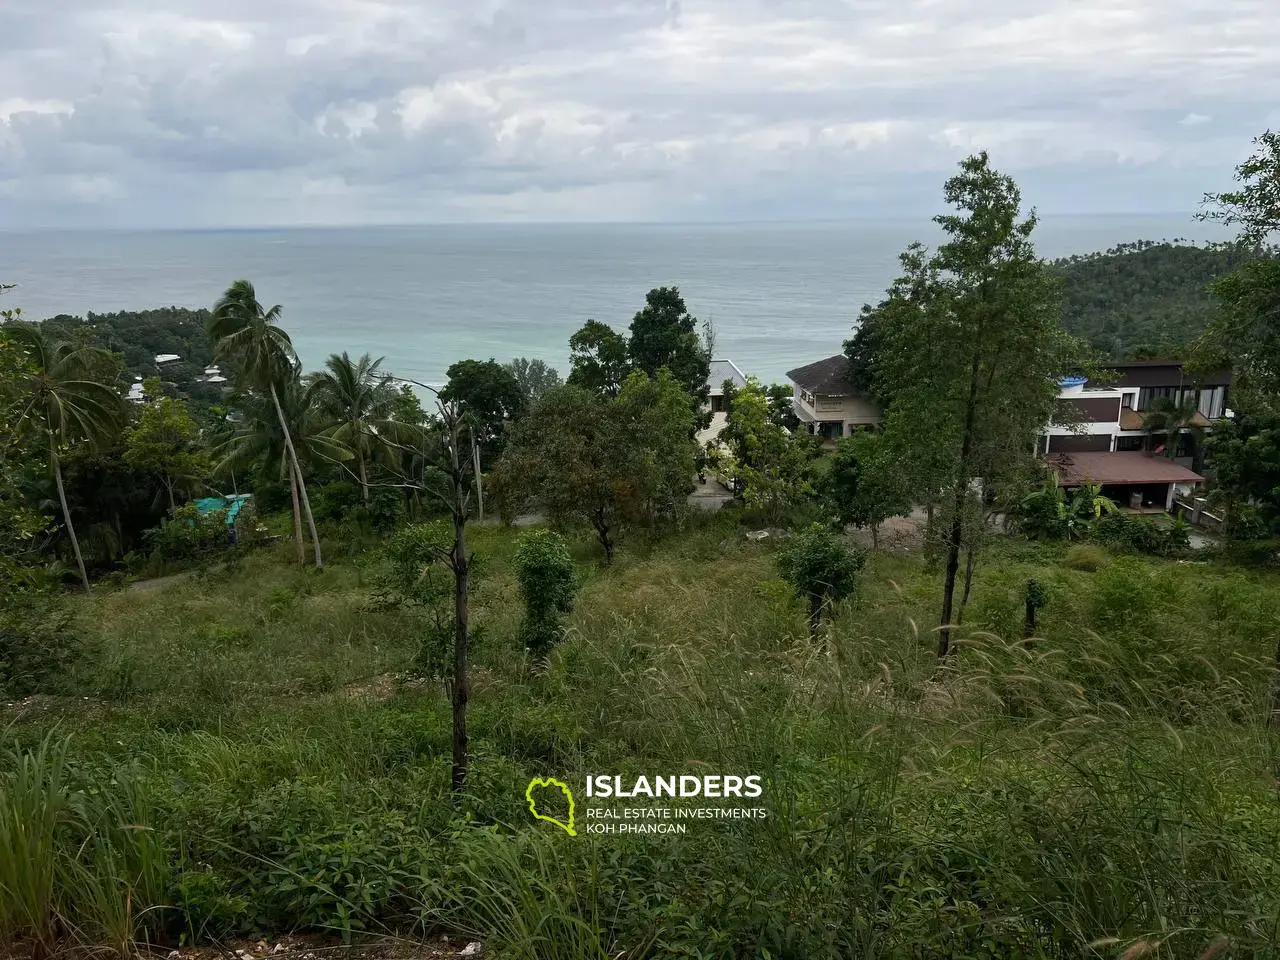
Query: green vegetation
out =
(1146, 299)
(1113, 781)
(1078, 761)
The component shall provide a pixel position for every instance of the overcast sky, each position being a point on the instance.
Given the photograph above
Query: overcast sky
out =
(264, 112)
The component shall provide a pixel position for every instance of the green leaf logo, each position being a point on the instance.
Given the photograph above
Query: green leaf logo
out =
(538, 782)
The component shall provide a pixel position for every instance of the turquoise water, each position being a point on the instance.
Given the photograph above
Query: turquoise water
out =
(779, 294)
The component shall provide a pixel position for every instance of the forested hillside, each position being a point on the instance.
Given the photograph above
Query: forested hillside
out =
(1145, 299)
(139, 337)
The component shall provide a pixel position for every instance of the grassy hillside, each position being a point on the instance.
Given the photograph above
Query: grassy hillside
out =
(1144, 299)
(1109, 784)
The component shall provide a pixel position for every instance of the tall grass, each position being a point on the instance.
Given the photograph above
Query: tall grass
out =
(1108, 784)
(77, 867)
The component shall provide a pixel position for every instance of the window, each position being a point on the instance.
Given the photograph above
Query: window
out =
(831, 429)
(717, 404)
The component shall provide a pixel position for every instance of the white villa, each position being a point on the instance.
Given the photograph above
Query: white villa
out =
(721, 370)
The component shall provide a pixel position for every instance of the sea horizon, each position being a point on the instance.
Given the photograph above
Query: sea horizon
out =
(779, 293)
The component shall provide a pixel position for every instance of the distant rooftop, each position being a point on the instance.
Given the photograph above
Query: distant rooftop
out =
(828, 378)
(722, 370)
(167, 357)
(1075, 469)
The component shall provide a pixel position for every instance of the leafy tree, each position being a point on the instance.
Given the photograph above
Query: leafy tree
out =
(489, 395)
(608, 463)
(971, 350)
(1051, 513)
(358, 396)
(1255, 206)
(534, 376)
(266, 435)
(1245, 454)
(598, 359)
(1168, 419)
(822, 567)
(864, 484)
(663, 334)
(166, 442)
(250, 335)
(770, 464)
(59, 405)
(544, 570)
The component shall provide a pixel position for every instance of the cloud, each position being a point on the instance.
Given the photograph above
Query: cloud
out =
(349, 111)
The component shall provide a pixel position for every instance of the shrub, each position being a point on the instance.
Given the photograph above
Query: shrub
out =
(1086, 557)
(188, 535)
(38, 646)
(1130, 535)
(544, 569)
(823, 569)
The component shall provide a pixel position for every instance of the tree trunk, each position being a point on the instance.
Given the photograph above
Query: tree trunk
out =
(297, 517)
(956, 536)
(461, 614)
(1274, 719)
(168, 485)
(875, 536)
(364, 479)
(66, 517)
(475, 456)
(815, 615)
(302, 486)
(970, 553)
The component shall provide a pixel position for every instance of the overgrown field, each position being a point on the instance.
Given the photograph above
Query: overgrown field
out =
(236, 752)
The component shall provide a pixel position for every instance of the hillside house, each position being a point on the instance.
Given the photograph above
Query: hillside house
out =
(827, 404)
(721, 371)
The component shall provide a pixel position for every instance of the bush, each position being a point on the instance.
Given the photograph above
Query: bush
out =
(188, 535)
(544, 569)
(332, 500)
(1129, 534)
(38, 645)
(1086, 557)
(822, 567)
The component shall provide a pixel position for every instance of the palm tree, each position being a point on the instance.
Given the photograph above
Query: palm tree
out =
(259, 439)
(61, 404)
(357, 395)
(1170, 418)
(241, 328)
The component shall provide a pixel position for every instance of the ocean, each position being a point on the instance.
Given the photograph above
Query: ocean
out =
(778, 295)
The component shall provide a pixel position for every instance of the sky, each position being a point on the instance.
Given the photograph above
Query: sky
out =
(219, 113)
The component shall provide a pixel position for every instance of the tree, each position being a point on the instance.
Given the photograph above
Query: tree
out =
(248, 334)
(60, 405)
(822, 567)
(970, 349)
(358, 396)
(1245, 454)
(598, 359)
(1168, 419)
(663, 334)
(770, 465)
(258, 440)
(608, 463)
(534, 377)
(166, 442)
(864, 484)
(544, 570)
(488, 394)
(1255, 206)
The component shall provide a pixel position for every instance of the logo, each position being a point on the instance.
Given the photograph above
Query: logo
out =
(548, 783)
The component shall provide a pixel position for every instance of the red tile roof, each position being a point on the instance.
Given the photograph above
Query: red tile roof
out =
(1122, 467)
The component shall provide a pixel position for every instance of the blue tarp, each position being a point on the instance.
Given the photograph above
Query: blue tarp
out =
(232, 505)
